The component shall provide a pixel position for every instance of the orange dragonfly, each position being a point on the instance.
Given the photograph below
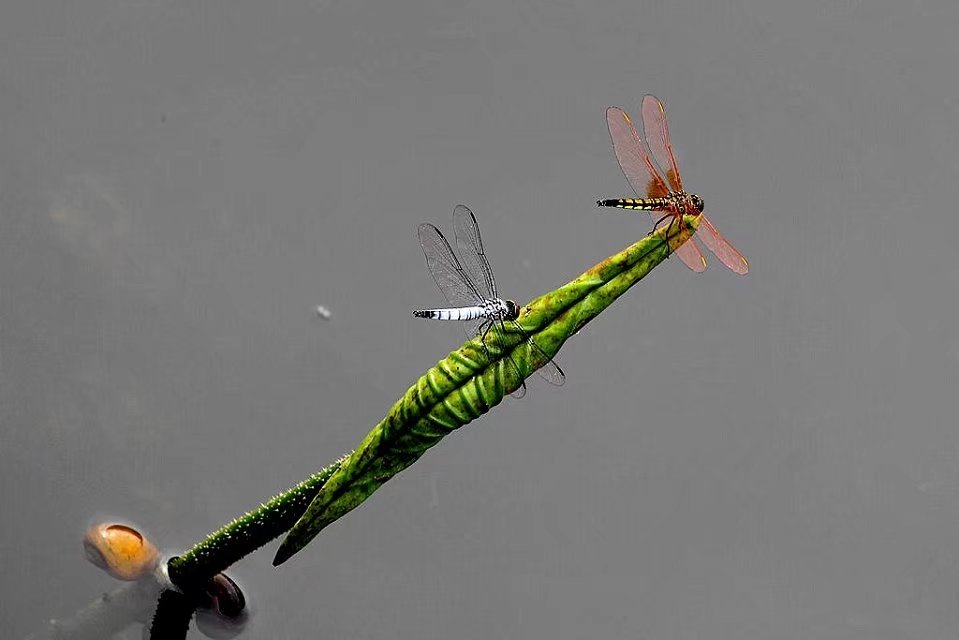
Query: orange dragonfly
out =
(644, 176)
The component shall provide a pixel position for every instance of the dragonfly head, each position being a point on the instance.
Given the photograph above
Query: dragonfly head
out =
(512, 309)
(697, 202)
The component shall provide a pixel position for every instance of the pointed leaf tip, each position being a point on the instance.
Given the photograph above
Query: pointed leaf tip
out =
(284, 553)
(300, 535)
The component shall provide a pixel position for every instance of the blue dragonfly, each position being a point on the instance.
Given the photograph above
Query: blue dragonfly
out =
(470, 289)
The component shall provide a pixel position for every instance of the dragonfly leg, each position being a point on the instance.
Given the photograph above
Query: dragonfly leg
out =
(669, 227)
(521, 390)
(486, 327)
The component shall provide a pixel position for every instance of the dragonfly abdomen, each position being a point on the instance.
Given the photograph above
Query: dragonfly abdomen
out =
(454, 313)
(641, 204)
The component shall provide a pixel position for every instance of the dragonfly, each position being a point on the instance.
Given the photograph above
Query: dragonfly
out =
(470, 288)
(667, 196)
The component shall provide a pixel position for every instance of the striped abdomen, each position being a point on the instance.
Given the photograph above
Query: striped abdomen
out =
(642, 204)
(455, 313)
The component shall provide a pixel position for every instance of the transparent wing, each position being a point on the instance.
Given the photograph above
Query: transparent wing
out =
(630, 151)
(471, 251)
(550, 372)
(691, 256)
(474, 328)
(656, 131)
(498, 335)
(689, 252)
(449, 275)
(721, 247)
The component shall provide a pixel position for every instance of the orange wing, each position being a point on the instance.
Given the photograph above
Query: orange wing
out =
(691, 256)
(639, 170)
(657, 137)
(656, 131)
(721, 247)
(689, 252)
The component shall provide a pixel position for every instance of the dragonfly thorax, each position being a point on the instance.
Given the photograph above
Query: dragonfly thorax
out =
(684, 203)
(499, 309)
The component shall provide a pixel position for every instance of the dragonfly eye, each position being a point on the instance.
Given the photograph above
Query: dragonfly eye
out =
(698, 203)
(512, 309)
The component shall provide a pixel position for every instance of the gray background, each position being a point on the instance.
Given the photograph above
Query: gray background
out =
(774, 456)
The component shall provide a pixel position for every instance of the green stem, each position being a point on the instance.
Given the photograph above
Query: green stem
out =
(247, 533)
(460, 388)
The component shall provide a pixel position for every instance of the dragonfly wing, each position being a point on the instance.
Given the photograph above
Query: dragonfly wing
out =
(550, 372)
(447, 271)
(512, 369)
(691, 256)
(689, 252)
(656, 131)
(475, 328)
(471, 251)
(630, 151)
(720, 246)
